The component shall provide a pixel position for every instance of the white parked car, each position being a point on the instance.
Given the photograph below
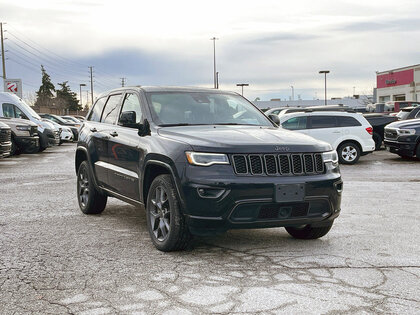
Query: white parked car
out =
(66, 135)
(348, 132)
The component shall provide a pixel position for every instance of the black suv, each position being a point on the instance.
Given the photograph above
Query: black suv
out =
(203, 161)
(403, 138)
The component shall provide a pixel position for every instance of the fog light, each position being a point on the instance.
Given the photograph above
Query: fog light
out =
(210, 192)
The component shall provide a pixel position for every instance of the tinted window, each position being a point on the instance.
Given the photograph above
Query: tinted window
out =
(8, 110)
(323, 122)
(295, 123)
(347, 121)
(276, 112)
(132, 104)
(111, 109)
(95, 114)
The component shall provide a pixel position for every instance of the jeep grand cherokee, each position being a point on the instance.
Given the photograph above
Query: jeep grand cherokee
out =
(202, 161)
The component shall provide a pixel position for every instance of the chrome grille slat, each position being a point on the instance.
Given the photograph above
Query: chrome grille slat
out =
(278, 164)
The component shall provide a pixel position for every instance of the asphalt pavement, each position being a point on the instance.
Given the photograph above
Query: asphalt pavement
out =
(55, 260)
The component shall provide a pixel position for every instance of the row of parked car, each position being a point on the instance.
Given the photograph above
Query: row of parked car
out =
(355, 134)
(22, 130)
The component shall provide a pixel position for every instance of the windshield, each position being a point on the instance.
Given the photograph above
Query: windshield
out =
(203, 108)
(29, 109)
(403, 114)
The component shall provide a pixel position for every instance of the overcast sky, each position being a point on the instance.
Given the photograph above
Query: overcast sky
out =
(271, 45)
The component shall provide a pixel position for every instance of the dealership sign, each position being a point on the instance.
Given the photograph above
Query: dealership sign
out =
(395, 78)
(13, 86)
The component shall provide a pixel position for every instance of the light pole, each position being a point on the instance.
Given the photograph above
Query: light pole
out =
(242, 86)
(214, 61)
(325, 74)
(81, 84)
(354, 90)
(293, 92)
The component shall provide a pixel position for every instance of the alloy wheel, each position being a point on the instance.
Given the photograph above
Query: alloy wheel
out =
(160, 214)
(83, 187)
(349, 153)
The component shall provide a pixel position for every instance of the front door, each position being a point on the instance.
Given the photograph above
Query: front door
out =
(125, 151)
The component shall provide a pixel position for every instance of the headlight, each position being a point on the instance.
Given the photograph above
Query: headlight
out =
(23, 128)
(206, 159)
(330, 156)
(406, 131)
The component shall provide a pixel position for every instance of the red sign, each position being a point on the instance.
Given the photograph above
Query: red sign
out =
(12, 87)
(395, 78)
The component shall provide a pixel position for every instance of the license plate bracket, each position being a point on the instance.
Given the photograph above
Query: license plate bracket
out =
(289, 192)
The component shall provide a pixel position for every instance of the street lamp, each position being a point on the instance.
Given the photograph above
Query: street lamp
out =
(214, 61)
(325, 74)
(242, 86)
(293, 92)
(81, 84)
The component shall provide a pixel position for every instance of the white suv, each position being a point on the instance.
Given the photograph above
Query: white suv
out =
(348, 132)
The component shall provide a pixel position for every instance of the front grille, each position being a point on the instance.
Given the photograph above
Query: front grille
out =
(278, 164)
(5, 136)
(391, 134)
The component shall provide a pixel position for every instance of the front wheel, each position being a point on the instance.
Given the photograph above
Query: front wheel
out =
(378, 141)
(91, 200)
(348, 153)
(307, 232)
(165, 222)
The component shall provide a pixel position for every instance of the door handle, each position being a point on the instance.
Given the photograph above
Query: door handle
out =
(114, 133)
(93, 129)
(336, 131)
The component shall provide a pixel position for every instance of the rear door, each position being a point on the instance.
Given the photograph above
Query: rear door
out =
(325, 128)
(125, 149)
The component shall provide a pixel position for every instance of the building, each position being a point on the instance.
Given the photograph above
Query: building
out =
(355, 102)
(401, 84)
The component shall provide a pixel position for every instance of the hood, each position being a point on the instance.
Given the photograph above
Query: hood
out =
(243, 139)
(407, 124)
(17, 121)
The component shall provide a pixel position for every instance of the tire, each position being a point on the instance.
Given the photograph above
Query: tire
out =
(14, 148)
(308, 232)
(348, 153)
(91, 200)
(165, 222)
(418, 151)
(378, 141)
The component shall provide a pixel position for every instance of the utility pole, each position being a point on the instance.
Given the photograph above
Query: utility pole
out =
(3, 58)
(91, 83)
(293, 92)
(123, 81)
(214, 61)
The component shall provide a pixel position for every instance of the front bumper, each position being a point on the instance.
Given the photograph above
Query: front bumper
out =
(214, 205)
(27, 143)
(5, 148)
(401, 148)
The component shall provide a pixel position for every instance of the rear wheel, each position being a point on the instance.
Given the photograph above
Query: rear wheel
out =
(418, 151)
(348, 153)
(91, 200)
(165, 222)
(307, 232)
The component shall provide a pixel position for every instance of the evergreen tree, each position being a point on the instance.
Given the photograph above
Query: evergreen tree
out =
(45, 93)
(66, 98)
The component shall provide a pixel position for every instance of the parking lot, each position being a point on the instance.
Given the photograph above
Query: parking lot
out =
(54, 259)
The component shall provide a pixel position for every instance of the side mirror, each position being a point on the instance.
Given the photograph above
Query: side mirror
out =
(275, 119)
(128, 119)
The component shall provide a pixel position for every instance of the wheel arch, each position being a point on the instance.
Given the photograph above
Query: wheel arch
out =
(154, 168)
(351, 141)
(81, 155)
